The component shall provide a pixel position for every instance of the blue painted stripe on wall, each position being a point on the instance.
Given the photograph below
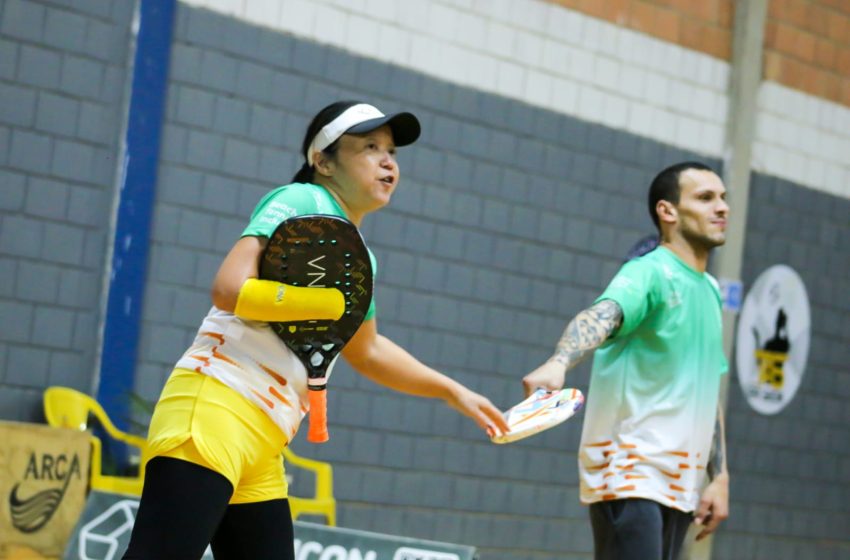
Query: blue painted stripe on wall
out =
(135, 207)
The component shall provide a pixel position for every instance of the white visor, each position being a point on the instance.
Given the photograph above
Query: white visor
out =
(404, 125)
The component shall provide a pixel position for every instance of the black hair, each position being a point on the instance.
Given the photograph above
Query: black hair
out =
(322, 118)
(666, 186)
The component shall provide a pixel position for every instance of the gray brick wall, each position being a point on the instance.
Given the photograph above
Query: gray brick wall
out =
(504, 212)
(509, 220)
(61, 85)
(791, 472)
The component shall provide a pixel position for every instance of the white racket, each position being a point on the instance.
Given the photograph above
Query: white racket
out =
(540, 411)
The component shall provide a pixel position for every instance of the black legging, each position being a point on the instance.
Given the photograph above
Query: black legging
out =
(184, 507)
(637, 529)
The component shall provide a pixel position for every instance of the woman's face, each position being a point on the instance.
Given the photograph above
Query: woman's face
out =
(365, 171)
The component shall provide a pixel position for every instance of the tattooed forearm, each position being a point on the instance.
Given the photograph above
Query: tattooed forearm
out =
(717, 458)
(587, 331)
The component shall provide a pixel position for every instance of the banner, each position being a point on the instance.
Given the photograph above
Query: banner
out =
(104, 530)
(43, 479)
(320, 542)
(772, 343)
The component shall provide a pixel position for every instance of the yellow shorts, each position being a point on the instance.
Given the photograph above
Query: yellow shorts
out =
(201, 420)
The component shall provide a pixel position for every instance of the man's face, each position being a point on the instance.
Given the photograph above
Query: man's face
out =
(702, 210)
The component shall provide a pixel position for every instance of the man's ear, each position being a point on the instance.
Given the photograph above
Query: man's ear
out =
(323, 164)
(666, 211)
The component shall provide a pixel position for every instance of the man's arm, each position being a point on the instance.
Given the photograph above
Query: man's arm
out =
(714, 503)
(717, 458)
(584, 334)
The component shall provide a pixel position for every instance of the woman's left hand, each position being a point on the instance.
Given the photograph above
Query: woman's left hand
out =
(479, 408)
(388, 364)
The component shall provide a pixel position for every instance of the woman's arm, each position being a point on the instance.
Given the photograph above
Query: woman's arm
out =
(380, 359)
(237, 290)
(240, 264)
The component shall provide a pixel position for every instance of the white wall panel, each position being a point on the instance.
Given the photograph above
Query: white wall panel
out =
(548, 56)
(803, 138)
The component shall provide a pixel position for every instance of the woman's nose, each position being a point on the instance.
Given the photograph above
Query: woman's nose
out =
(388, 160)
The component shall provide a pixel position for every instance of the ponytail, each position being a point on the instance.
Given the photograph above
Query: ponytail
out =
(307, 173)
(304, 175)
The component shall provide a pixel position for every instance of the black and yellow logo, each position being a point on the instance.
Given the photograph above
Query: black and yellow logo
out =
(32, 512)
(771, 357)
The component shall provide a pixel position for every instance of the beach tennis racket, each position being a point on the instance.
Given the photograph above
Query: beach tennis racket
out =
(324, 252)
(540, 411)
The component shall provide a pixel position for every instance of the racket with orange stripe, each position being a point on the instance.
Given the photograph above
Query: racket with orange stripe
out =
(325, 252)
(540, 411)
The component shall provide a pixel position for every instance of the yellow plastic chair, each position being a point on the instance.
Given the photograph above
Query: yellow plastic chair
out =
(68, 408)
(322, 502)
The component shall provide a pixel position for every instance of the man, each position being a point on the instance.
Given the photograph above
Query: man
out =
(653, 429)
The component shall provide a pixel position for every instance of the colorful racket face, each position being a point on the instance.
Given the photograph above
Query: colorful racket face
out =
(540, 411)
(325, 252)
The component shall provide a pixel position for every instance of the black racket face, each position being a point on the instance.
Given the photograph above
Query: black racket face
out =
(326, 252)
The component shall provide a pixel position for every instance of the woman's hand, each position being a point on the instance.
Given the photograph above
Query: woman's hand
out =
(380, 359)
(479, 408)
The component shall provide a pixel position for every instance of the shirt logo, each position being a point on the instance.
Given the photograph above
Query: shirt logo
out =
(276, 213)
(622, 282)
(674, 299)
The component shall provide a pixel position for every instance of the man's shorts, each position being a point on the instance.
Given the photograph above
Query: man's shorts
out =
(637, 529)
(201, 420)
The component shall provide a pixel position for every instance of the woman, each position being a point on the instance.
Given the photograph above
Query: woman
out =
(216, 434)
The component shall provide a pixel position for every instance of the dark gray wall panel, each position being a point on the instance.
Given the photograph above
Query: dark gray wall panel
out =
(791, 471)
(61, 85)
(508, 220)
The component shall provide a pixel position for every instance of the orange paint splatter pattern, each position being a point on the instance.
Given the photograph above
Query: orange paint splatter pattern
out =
(610, 452)
(218, 336)
(275, 375)
(677, 476)
(266, 401)
(276, 394)
(216, 353)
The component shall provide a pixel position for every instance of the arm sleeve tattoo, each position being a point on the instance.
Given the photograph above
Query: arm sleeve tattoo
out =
(587, 331)
(717, 457)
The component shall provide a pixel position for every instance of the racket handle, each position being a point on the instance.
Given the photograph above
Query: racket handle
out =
(317, 431)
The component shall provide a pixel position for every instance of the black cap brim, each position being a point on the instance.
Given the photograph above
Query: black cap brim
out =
(405, 127)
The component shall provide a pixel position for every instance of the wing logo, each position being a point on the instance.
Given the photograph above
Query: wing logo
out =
(29, 514)
(33, 513)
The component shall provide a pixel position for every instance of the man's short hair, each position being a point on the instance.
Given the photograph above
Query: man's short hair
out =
(666, 186)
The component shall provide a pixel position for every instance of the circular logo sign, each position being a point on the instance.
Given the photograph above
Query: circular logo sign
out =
(772, 343)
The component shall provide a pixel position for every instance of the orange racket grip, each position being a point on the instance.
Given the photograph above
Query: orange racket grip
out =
(317, 432)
